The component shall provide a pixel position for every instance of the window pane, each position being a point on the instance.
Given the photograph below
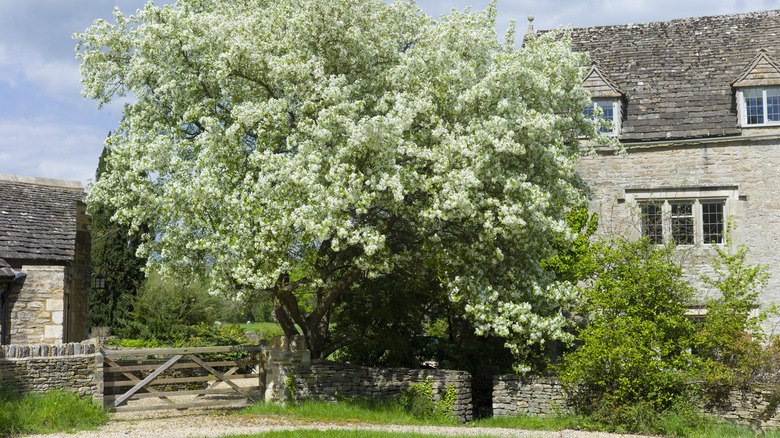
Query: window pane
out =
(652, 221)
(588, 110)
(773, 105)
(682, 222)
(754, 106)
(608, 115)
(712, 222)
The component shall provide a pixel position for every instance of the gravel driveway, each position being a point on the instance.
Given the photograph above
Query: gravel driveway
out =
(163, 424)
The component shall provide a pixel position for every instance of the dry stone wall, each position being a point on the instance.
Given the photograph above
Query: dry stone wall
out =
(73, 367)
(527, 395)
(541, 396)
(331, 380)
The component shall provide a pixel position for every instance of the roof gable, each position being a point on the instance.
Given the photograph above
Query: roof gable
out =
(38, 218)
(761, 72)
(598, 84)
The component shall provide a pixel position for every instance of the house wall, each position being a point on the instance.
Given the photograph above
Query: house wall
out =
(36, 311)
(750, 165)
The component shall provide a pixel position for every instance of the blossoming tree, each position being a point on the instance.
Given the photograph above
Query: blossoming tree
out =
(299, 146)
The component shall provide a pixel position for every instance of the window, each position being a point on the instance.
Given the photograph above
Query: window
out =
(652, 221)
(684, 222)
(609, 110)
(759, 106)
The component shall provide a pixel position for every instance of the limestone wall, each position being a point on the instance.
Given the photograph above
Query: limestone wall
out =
(756, 405)
(38, 368)
(516, 395)
(531, 395)
(36, 312)
(330, 380)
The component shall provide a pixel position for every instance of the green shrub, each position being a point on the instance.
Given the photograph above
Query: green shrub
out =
(634, 349)
(420, 402)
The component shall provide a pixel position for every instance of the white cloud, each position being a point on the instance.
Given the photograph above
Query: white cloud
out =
(50, 148)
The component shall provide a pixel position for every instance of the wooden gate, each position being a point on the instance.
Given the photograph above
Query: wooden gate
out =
(182, 378)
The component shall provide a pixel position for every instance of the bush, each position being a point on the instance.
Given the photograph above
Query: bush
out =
(634, 349)
(164, 310)
(420, 402)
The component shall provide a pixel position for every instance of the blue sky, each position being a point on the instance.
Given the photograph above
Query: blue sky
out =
(48, 130)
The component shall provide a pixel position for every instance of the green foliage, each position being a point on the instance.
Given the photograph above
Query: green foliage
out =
(730, 338)
(134, 343)
(289, 388)
(165, 309)
(420, 402)
(52, 411)
(634, 349)
(572, 261)
(114, 257)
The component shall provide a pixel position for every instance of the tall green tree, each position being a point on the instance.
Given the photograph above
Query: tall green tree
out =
(114, 258)
(298, 146)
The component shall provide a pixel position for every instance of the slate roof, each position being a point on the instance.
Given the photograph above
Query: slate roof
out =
(677, 75)
(38, 218)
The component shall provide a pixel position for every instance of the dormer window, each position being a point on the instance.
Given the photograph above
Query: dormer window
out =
(759, 106)
(605, 95)
(758, 92)
(609, 107)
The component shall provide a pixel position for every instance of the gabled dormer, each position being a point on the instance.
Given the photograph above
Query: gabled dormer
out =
(758, 92)
(605, 95)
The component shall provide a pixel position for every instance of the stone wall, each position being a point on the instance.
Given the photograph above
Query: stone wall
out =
(36, 312)
(756, 405)
(532, 395)
(527, 395)
(330, 380)
(73, 367)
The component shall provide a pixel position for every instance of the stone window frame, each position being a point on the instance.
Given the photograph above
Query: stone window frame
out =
(610, 111)
(700, 198)
(745, 113)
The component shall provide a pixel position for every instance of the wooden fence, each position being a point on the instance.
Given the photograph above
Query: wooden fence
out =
(182, 378)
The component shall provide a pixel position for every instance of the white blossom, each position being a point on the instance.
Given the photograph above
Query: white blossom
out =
(261, 128)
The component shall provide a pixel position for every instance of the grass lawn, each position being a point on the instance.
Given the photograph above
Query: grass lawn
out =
(304, 433)
(362, 410)
(267, 330)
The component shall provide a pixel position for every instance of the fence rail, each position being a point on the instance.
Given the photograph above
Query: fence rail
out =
(182, 377)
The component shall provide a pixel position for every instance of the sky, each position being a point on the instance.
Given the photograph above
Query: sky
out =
(47, 129)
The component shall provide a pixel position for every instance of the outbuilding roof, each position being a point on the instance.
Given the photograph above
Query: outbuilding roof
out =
(677, 75)
(38, 218)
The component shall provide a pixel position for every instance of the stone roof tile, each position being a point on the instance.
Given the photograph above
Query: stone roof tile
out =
(686, 68)
(38, 218)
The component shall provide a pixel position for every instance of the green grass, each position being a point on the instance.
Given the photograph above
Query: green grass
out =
(357, 410)
(53, 411)
(668, 424)
(267, 330)
(309, 433)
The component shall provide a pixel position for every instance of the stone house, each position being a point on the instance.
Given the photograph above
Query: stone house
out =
(696, 102)
(44, 260)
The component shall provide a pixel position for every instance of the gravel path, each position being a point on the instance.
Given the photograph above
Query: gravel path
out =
(217, 424)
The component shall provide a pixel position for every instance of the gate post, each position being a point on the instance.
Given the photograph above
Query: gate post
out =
(99, 377)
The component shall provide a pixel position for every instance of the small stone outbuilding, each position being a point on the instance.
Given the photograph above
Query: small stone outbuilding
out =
(44, 260)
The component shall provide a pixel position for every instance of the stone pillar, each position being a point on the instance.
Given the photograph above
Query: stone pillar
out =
(281, 359)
